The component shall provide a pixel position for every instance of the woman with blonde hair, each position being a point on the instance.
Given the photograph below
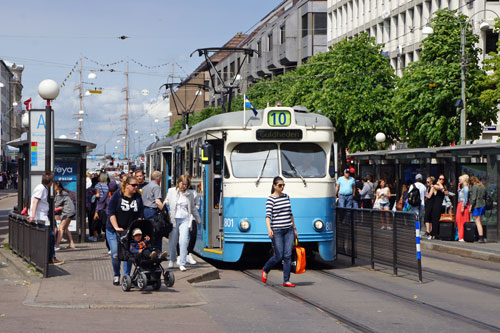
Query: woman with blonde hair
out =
(463, 205)
(478, 205)
(182, 206)
(429, 203)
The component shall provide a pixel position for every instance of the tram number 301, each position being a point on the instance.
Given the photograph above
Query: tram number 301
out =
(228, 222)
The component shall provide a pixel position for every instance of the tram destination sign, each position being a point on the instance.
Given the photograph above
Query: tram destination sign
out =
(279, 134)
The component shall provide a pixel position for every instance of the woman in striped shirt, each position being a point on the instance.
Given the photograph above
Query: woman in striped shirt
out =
(281, 230)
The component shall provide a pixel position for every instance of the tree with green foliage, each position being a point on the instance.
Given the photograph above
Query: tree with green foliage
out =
(491, 93)
(427, 94)
(352, 84)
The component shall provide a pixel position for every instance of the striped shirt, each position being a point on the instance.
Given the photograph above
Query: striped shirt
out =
(279, 210)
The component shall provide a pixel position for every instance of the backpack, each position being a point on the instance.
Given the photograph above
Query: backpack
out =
(414, 196)
(488, 200)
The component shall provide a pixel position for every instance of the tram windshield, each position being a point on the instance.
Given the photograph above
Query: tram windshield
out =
(302, 160)
(253, 160)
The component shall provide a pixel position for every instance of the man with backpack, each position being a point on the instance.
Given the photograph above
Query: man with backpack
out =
(416, 197)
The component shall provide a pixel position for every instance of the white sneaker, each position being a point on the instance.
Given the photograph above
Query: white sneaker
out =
(178, 261)
(190, 260)
(170, 264)
(461, 240)
(182, 268)
(57, 248)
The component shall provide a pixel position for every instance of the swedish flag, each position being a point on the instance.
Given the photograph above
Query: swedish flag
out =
(250, 106)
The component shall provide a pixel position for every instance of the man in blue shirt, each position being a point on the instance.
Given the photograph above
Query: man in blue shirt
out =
(345, 189)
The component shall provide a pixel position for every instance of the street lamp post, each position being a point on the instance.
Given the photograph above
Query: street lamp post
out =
(49, 90)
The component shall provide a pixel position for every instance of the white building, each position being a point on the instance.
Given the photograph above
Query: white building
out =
(398, 24)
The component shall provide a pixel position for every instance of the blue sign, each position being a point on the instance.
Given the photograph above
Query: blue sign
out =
(65, 172)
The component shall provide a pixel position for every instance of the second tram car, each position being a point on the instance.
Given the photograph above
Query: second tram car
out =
(232, 159)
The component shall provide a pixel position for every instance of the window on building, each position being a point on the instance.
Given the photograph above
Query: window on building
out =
(238, 62)
(259, 48)
(231, 70)
(319, 23)
(282, 34)
(305, 25)
(491, 40)
(270, 42)
(225, 74)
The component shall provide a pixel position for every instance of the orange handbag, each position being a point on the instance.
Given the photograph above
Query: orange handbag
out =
(298, 259)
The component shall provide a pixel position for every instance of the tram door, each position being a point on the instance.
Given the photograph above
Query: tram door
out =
(215, 214)
(166, 169)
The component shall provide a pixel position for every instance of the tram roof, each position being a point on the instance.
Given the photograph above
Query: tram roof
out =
(235, 119)
(470, 150)
(165, 142)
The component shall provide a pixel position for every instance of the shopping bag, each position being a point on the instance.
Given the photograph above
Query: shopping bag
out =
(298, 259)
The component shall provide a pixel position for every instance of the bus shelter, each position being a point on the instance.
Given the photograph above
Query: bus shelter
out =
(70, 165)
(400, 166)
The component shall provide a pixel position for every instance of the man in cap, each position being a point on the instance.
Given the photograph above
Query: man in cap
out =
(345, 188)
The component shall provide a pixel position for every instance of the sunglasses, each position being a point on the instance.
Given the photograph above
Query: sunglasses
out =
(280, 185)
(441, 178)
(134, 185)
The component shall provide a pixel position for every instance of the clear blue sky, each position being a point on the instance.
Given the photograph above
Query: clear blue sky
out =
(48, 37)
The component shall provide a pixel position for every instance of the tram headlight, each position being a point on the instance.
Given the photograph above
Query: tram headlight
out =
(244, 225)
(318, 225)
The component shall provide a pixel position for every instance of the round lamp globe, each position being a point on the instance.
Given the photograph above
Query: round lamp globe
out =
(48, 89)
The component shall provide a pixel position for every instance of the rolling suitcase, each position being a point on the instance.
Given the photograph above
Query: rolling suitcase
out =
(470, 231)
(447, 231)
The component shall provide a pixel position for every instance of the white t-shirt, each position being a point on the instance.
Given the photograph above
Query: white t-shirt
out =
(182, 207)
(42, 210)
(421, 189)
(385, 192)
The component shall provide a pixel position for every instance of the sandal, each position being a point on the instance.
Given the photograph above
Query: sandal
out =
(262, 277)
(288, 284)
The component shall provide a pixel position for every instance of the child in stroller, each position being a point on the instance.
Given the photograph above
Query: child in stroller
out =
(147, 268)
(142, 247)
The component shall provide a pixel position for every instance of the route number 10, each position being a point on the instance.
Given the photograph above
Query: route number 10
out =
(279, 118)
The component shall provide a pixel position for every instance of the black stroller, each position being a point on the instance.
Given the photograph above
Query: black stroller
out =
(145, 271)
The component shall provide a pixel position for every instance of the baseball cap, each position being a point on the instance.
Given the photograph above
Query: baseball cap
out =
(136, 231)
(418, 177)
(347, 170)
(113, 186)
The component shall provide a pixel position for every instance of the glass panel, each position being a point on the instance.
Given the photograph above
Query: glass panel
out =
(319, 23)
(305, 27)
(306, 159)
(249, 159)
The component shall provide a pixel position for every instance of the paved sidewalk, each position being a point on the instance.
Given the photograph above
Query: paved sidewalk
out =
(85, 281)
(485, 251)
(7, 193)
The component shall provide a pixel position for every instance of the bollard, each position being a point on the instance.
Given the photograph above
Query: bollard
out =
(419, 255)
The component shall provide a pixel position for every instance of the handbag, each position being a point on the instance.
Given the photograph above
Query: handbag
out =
(399, 205)
(376, 204)
(447, 218)
(298, 259)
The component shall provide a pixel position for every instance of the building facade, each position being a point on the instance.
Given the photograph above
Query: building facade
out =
(10, 111)
(287, 36)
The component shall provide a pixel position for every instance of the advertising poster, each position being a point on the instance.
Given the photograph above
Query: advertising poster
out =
(66, 173)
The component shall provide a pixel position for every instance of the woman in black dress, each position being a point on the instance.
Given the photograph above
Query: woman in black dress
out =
(437, 206)
(429, 203)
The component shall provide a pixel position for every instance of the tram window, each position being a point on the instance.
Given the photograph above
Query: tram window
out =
(217, 158)
(249, 159)
(303, 159)
(190, 158)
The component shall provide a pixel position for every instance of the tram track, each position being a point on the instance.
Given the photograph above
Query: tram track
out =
(358, 327)
(423, 305)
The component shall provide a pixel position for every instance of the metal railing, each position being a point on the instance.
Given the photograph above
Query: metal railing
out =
(380, 236)
(30, 241)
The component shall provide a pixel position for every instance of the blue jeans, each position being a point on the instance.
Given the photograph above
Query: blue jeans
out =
(180, 233)
(345, 201)
(419, 213)
(283, 245)
(113, 246)
(149, 213)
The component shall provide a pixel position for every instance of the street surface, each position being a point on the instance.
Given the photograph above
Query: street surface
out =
(458, 294)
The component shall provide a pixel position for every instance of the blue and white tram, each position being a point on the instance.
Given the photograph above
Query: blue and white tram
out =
(243, 153)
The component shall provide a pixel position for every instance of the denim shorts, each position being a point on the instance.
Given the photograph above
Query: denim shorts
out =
(384, 205)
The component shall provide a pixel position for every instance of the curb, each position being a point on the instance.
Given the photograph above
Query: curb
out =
(17, 263)
(8, 196)
(213, 274)
(467, 253)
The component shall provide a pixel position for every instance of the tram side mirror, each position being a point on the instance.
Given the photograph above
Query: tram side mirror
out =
(206, 153)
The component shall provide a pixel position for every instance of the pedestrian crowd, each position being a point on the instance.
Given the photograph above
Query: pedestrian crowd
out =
(8, 180)
(113, 204)
(430, 202)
